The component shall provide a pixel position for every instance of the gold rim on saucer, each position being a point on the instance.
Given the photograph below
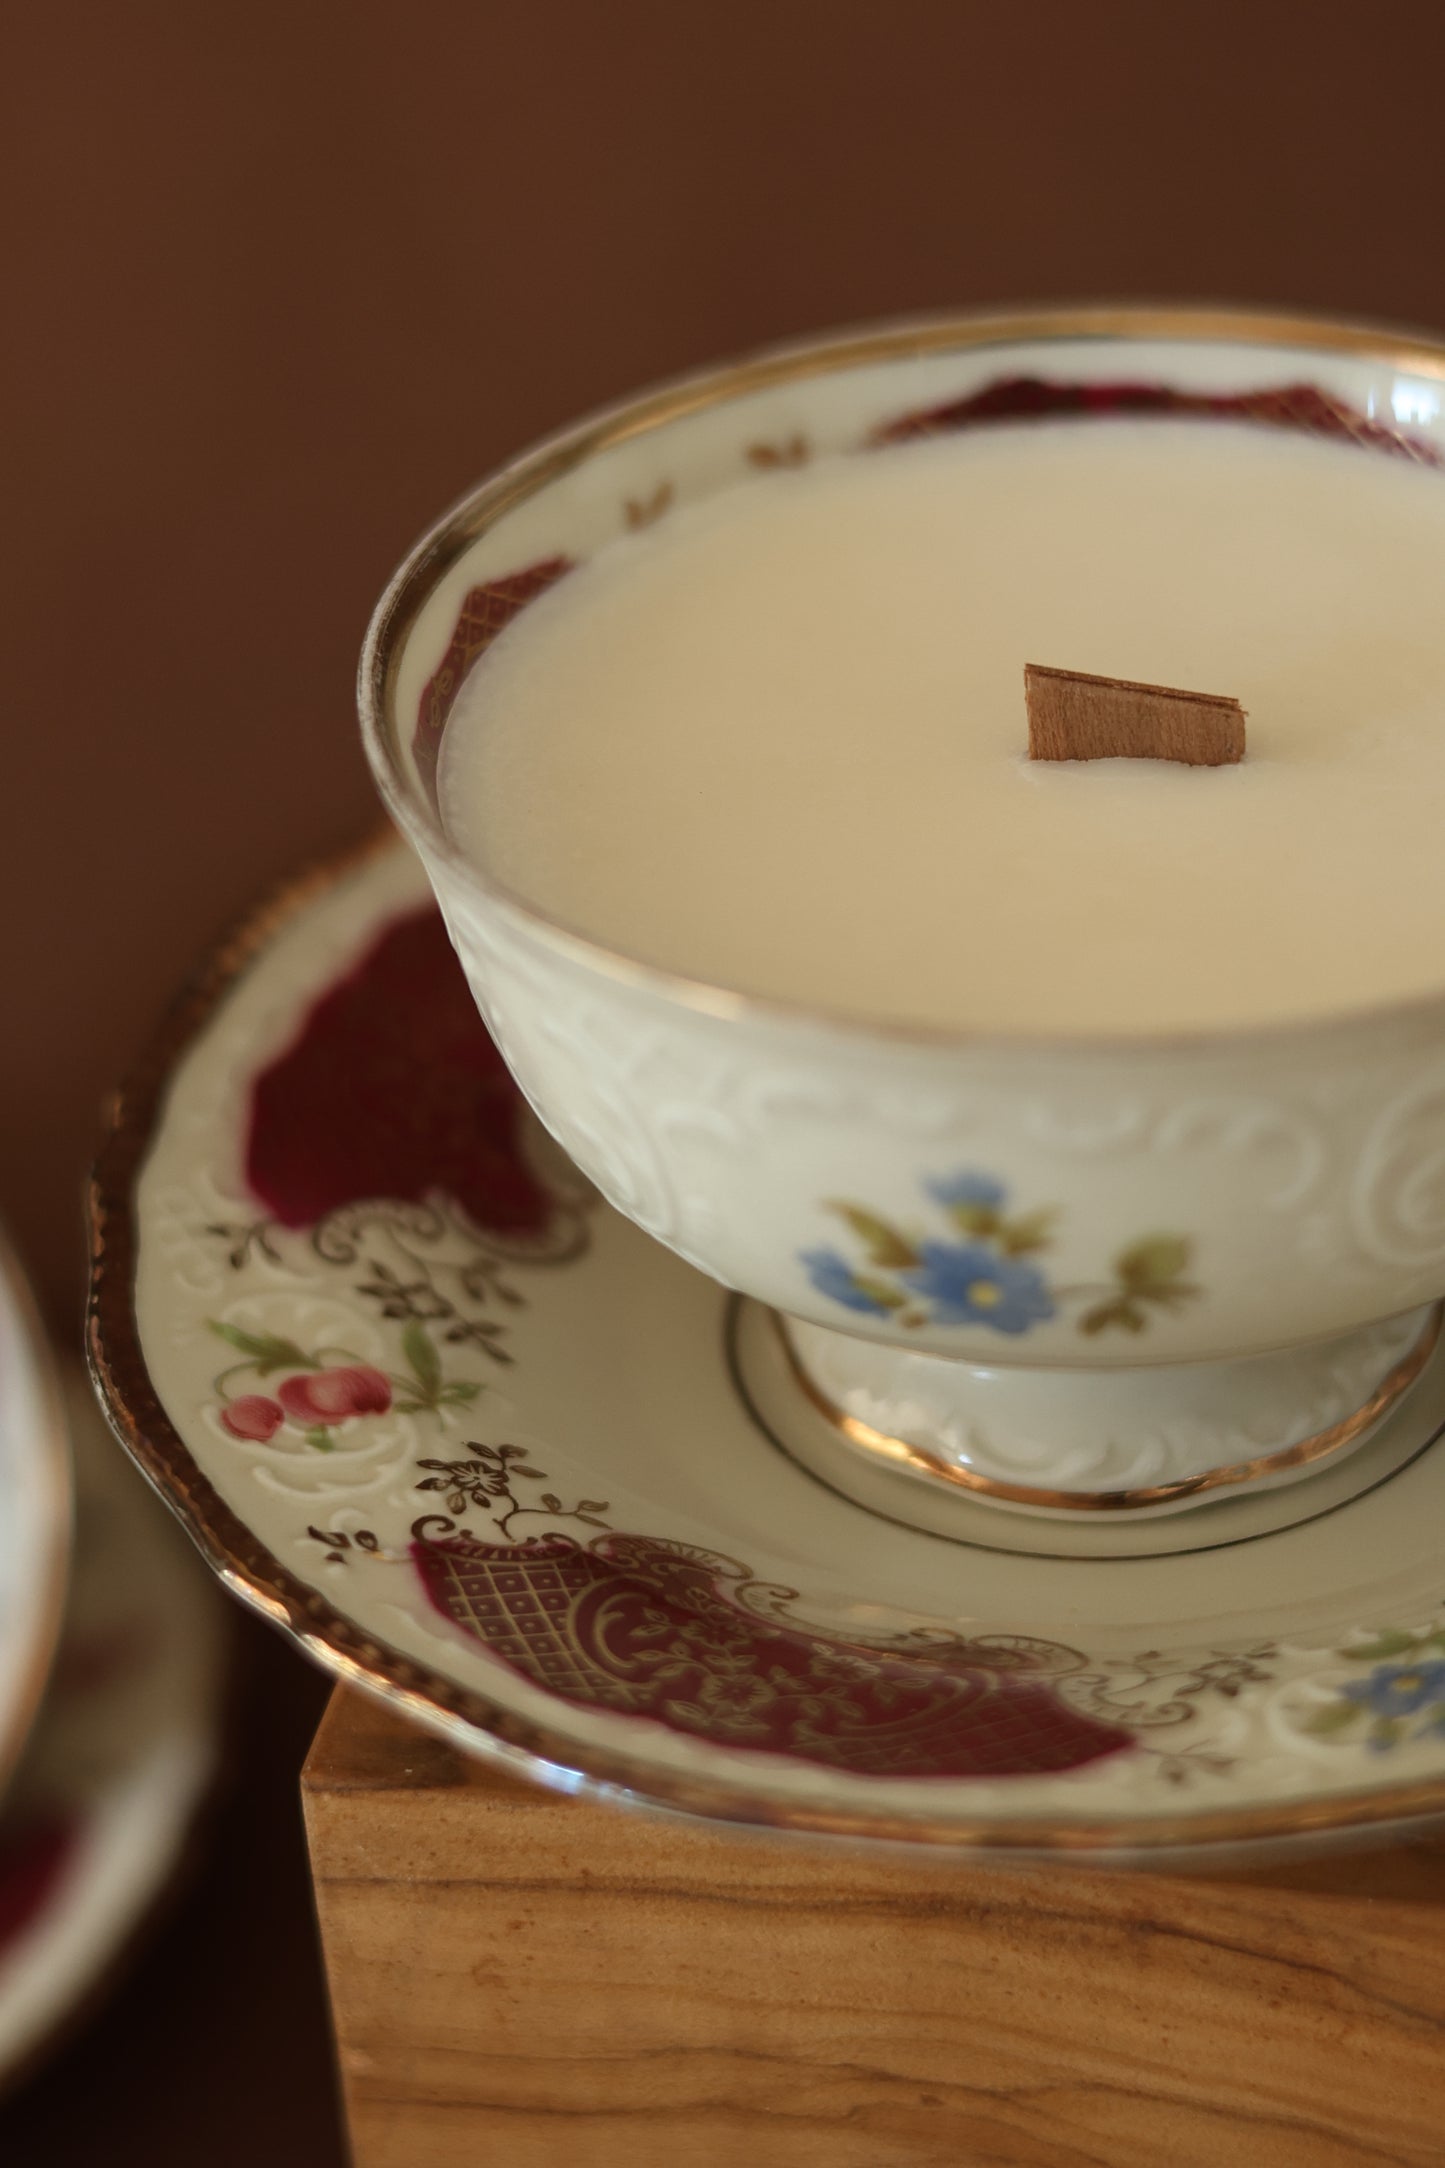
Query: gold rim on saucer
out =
(531, 471)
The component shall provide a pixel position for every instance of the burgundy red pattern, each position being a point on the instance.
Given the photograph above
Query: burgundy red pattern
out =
(1034, 398)
(394, 1089)
(488, 610)
(648, 1628)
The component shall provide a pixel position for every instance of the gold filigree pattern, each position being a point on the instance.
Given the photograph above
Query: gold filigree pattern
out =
(488, 610)
(646, 511)
(663, 1631)
(793, 451)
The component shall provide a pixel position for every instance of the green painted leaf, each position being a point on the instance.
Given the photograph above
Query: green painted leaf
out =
(1334, 1716)
(881, 1290)
(1173, 1295)
(1029, 1232)
(1386, 1731)
(1153, 1262)
(321, 1439)
(267, 1351)
(1121, 1312)
(459, 1390)
(884, 1244)
(416, 1345)
(1393, 1642)
(975, 1219)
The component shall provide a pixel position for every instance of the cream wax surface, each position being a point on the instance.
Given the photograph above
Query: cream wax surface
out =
(776, 740)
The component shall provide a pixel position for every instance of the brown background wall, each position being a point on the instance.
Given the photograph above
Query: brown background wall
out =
(280, 279)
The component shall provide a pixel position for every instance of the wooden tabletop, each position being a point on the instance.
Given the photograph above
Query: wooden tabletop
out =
(573, 1983)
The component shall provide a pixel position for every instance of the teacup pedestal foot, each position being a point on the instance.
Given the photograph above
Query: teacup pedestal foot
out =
(1108, 1443)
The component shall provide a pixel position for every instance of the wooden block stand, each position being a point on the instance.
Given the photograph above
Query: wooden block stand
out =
(535, 1982)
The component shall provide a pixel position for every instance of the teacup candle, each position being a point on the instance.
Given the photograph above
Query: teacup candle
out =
(777, 738)
(1009, 1085)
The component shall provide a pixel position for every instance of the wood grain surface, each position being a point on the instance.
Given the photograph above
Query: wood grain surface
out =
(1074, 715)
(526, 1979)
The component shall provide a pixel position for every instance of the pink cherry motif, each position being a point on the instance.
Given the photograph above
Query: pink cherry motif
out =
(330, 1396)
(253, 1415)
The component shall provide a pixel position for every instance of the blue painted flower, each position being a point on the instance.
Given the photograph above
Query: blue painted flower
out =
(967, 1187)
(1399, 1689)
(832, 1275)
(967, 1283)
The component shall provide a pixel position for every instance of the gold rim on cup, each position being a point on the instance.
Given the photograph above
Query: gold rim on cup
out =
(532, 471)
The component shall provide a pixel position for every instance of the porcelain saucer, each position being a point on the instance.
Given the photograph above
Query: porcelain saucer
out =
(485, 1448)
(34, 1510)
(123, 1753)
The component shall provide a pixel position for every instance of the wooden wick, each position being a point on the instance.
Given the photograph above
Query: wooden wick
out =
(1073, 716)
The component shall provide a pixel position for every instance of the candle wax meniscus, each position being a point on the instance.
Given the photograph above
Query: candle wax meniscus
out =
(776, 740)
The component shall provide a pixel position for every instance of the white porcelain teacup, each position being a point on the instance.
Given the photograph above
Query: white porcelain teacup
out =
(1246, 1231)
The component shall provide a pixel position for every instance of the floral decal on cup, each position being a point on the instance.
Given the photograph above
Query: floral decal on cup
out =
(321, 1395)
(984, 1270)
(1400, 1698)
